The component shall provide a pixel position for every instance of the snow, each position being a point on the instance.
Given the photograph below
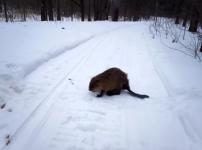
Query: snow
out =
(25, 46)
(45, 71)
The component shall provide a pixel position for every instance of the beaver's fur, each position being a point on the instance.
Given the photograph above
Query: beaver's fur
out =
(111, 82)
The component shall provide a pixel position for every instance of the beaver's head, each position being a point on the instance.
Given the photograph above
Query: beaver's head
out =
(94, 85)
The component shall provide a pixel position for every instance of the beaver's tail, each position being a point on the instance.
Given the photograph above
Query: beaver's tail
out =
(127, 87)
(142, 96)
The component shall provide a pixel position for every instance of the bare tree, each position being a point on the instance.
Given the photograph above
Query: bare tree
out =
(58, 10)
(1, 10)
(115, 10)
(43, 10)
(71, 10)
(96, 9)
(194, 19)
(101, 9)
(179, 3)
(115, 16)
(185, 20)
(89, 10)
(108, 7)
(82, 10)
(5, 10)
(50, 10)
(23, 9)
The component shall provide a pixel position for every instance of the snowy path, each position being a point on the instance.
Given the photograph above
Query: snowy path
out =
(71, 118)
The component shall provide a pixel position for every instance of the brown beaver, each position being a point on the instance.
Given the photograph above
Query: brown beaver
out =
(111, 82)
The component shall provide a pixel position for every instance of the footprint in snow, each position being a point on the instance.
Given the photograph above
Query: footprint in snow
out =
(71, 81)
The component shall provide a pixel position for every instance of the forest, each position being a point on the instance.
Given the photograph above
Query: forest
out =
(187, 13)
(93, 10)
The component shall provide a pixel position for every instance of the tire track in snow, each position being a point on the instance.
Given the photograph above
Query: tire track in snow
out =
(191, 133)
(32, 67)
(185, 124)
(159, 72)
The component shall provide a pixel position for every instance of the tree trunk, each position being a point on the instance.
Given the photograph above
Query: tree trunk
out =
(58, 10)
(201, 48)
(101, 10)
(43, 10)
(5, 10)
(108, 9)
(50, 10)
(71, 10)
(184, 21)
(1, 10)
(194, 20)
(98, 9)
(178, 11)
(95, 10)
(105, 10)
(193, 25)
(115, 16)
(82, 9)
(156, 8)
(89, 10)
(177, 19)
(125, 12)
(24, 11)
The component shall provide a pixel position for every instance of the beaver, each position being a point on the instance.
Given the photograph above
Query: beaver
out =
(111, 82)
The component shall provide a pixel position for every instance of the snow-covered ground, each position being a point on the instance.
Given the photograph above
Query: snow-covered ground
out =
(25, 46)
(45, 69)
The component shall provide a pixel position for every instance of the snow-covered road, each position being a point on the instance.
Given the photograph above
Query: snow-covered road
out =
(68, 117)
